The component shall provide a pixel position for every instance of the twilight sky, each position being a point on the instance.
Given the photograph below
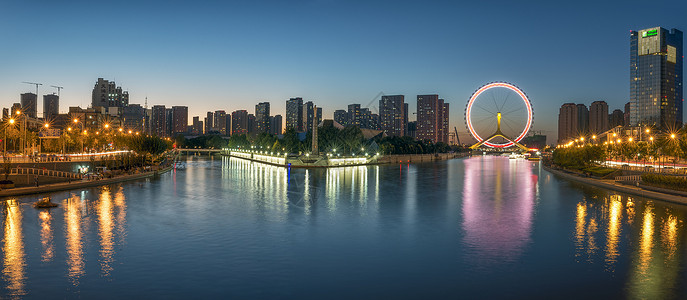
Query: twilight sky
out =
(231, 55)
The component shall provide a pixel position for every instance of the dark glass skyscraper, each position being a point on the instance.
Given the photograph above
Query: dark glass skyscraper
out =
(656, 78)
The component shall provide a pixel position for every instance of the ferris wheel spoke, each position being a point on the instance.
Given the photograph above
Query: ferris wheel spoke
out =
(496, 105)
(515, 110)
(504, 102)
(484, 109)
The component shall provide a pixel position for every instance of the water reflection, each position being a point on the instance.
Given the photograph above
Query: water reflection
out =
(654, 240)
(72, 220)
(46, 235)
(498, 206)
(14, 263)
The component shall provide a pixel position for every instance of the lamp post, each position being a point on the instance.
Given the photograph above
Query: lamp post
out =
(40, 140)
(4, 153)
(76, 121)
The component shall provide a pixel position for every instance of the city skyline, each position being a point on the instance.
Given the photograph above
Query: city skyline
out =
(175, 57)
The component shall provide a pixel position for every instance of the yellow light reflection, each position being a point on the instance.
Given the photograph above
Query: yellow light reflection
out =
(669, 236)
(13, 250)
(105, 231)
(72, 219)
(613, 231)
(46, 236)
(646, 240)
(580, 220)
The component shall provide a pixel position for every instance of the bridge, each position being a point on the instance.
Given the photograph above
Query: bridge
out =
(192, 151)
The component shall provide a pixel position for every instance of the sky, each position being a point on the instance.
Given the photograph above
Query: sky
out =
(231, 55)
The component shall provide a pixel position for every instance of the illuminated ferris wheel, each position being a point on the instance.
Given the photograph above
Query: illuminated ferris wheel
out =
(498, 115)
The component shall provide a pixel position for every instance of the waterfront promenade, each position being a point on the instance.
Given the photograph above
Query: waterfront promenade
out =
(642, 191)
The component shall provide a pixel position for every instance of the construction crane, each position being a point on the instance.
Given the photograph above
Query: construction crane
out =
(457, 138)
(374, 100)
(59, 88)
(34, 83)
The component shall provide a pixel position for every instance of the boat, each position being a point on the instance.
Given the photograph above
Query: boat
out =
(534, 158)
(515, 156)
(44, 203)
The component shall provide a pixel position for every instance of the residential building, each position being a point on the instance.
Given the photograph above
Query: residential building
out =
(432, 118)
(51, 106)
(294, 114)
(262, 117)
(239, 122)
(107, 94)
(180, 115)
(159, 121)
(392, 115)
(28, 104)
(567, 123)
(598, 117)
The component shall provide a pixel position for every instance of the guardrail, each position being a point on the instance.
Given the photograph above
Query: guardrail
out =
(629, 178)
(44, 172)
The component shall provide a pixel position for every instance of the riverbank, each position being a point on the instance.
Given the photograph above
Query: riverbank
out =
(330, 162)
(612, 185)
(80, 184)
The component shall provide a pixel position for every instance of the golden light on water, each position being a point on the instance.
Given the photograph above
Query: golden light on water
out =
(613, 231)
(14, 263)
(46, 235)
(580, 221)
(104, 209)
(72, 220)
(646, 240)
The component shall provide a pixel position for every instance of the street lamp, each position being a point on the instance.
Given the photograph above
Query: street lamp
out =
(11, 122)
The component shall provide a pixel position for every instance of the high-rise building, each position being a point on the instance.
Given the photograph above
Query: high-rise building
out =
(107, 94)
(318, 117)
(341, 117)
(51, 106)
(276, 125)
(159, 121)
(656, 88)
(262, 117)
(567, 123)
(28, 104)
(353, 115)
(180, 115)
(626, 114)
(169, 126)
(209, 122)
(405, 120)
(392, 115)
(432, 118)
(582, 118)
(368, 120)
(134, 117)
(16, 107)
(294, 114)
(220, 122)
(228, 124)
(239, 122)
(251, 123)
(308, 115)
(616, 118)
(411, 131)
(197, 127)
(598, 117)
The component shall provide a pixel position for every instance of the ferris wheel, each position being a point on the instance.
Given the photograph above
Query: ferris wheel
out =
(498, 115)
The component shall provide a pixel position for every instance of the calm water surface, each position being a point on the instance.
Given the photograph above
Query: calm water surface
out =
(465, 228)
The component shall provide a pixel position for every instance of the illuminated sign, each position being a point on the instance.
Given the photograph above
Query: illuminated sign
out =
(650, 33)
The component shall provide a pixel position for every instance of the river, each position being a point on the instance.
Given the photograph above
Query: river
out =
(479, 227)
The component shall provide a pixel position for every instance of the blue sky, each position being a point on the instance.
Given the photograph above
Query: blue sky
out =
(230, 55)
